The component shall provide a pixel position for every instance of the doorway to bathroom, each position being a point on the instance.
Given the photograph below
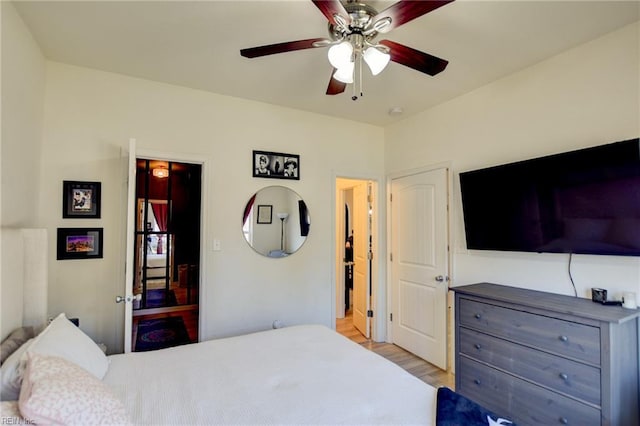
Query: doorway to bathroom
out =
(355, 247)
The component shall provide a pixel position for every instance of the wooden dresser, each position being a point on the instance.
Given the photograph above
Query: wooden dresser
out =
(545, 359)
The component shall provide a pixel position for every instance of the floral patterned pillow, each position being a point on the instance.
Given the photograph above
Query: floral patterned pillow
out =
(58, 392)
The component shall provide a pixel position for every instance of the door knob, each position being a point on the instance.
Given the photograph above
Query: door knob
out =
(442, 278)
(128, 299)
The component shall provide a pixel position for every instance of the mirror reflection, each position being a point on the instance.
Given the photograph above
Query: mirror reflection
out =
(276, 221)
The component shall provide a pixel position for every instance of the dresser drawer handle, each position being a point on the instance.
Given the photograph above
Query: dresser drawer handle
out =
(563, 338)
(478, 346)
(563, 420)
(478, 316)
(477, 381)
(564, 376)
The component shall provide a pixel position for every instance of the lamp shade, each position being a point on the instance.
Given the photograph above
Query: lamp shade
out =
(283, 216)
(340, 54)
(345, 73)
(376, 60)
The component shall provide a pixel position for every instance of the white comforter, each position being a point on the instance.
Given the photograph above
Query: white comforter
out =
(293, 375)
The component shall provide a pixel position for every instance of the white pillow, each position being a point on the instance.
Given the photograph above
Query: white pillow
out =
(58, 392)
(11, 373)
(63, 339)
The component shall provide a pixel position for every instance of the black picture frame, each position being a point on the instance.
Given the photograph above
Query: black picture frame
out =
(276, 165)
(265, 214)
(79, 243)
(81, 200)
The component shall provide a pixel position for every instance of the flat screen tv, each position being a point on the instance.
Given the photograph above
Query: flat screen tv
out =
(584, 202)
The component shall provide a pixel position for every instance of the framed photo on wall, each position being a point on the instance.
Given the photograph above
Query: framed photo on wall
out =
(79, 243)
(80, 200)
(276, 165)
(265, 213)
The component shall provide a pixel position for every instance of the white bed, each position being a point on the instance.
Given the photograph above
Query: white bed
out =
(156, 265)
(294, 375)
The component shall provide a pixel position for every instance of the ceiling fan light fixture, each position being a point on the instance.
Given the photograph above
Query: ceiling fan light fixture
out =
(341, 22)
(344, 74)
(376, 60)
(381, 25)
(340, 54)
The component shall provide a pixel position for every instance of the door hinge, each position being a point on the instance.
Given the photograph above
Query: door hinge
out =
(369, 313)
(391, 257)
(390, 197)
(391, 317)
(370, 255)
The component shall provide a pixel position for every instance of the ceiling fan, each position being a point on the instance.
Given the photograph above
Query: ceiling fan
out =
(353, 27)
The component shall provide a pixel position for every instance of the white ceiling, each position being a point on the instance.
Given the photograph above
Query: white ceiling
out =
(196, 44)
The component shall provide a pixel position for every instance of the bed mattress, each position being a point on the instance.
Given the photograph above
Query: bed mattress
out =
(293, 375)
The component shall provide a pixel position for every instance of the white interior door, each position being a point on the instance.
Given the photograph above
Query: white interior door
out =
(130, 251)
(420, 264)
(361, 235)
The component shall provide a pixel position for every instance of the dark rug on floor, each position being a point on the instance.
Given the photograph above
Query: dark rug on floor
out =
(160, 298)
(161, 333)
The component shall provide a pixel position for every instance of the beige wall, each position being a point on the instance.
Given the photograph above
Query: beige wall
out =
(587, 96)
(23, 82)
(90, 116)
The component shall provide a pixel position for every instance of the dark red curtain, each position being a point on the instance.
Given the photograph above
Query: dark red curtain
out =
(160, 212)
(247, 209)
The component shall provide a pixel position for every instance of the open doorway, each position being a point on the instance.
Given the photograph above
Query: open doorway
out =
(355, 248)
(167, 254)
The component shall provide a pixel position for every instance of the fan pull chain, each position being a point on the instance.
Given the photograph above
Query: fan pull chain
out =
(353, 92)
(360, 72)
(353, 85)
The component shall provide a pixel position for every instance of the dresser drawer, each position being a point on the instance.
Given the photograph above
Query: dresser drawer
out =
(566, 338)
(518, 400)
(569, 377)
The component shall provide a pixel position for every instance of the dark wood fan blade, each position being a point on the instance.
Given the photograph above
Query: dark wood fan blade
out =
(335, 87)
(415, 59)
(330, 8)
(407, 10)
(271, 49)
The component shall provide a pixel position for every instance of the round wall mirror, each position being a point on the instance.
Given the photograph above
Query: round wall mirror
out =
(276, 221)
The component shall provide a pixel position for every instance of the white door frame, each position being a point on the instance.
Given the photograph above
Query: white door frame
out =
(340, 276)
(378, 265)
(130, 213)
(390, 177)
(205, 162)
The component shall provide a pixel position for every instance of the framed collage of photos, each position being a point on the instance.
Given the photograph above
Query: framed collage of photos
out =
(276, 165)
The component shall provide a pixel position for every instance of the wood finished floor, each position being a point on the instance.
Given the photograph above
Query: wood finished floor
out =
(418, 367)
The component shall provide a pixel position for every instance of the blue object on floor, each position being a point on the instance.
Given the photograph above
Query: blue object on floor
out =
(454, 409)
(159, 298)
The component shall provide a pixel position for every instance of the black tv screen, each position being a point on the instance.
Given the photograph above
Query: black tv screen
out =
(584, 202)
